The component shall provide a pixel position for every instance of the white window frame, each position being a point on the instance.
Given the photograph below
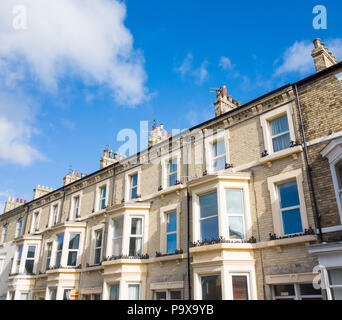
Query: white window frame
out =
(16, 268)
(93, 243)
(136, 236)
(175, 155)
(266, 128)
(52, 216)
(51, 255)
(231, 275)
(209, 144)
(164, 211)
(56, 251)
(134, 283)
(128, 176)
(73, 250)
(209, 274)
(34, 258)
(273, 183)
(21, 268)
(19, 230)
(168, 293)
(35, 221)
(98, 198)
(72, 213)
(117, 238)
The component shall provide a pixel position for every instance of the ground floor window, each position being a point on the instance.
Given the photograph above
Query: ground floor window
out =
(240, 285)
(211, 287)
(298, 291)
(335, 283)
(96, 296)
(168, 295)
(24, 296)
(53, 293)
(134, 291)
(66, 294)
(114, 291)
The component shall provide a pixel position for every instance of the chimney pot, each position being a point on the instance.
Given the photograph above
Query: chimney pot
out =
(17, 199)
(317, 43)
(105, 152)
(78, 175)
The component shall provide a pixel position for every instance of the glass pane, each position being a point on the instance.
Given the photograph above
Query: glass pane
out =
(58, 258)
(29, 266)
(103, 203)
(234, 201)
(171, 222)
(20, 252)
(288, 194)
(172, 243)
(284, 290)
(31, 251)
(96, 297)
(118, 227)
(337, 293)
(24, 296)
(240, 287)
(114, 291)
(135, 246)
(279, 125)
(175, 295)
(97, 256)
(60, 242)
(161, 295)
(209, 229)
(66, 295)
(134, 180)
(98, 239)
(133, 292)
(208, 205)
(219, 163)
(307, 289)
(136, 226)
(292, 221)
(103, 192)
(173, 165)
(53, 294)
(339, 174)
(172, 179)
(211, 287)
(72, 258)
(281, 142)
(219, 148)
(117, 247)
(236, 228)
(335, 277)
(134, 193)
(74, 241)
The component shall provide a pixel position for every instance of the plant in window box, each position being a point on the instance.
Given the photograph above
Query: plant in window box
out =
(177, 182)
(264, 154)
(309, 231)
(160, 188)
(228, 166)
(294, 144)
(252, 240)
(123, 201)
(273, 236)
(205, 173)
(138, 196)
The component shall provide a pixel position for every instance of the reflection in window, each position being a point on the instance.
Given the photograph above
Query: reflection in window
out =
(280, 133)
(209, 216)
(219, 155)
(171, 232)
(211, 287)
(134, 292)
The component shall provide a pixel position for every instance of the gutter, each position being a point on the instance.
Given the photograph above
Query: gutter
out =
(309, 173)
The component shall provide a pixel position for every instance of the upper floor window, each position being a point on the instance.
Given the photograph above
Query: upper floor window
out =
(5, 233)
(76, 207)
(18, 260)
(74, 243)
(48, 255)
(19, 227)
(171, 232)
(35, 222)
(60, 240)
(172, 174)
(133, 186)
(219, 155)
(290, 207)
(117, 236)
(280, 133)
(98, 247)
(338, 168)
(136, 237)
(236, 213)
(55, 214)
(29, 263)
(103, 195)
(209, 228)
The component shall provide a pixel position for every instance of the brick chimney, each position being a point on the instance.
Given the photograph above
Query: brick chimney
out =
(12, 203)
(70, 178)
(223, 102)
(109, 158)
(157, 135)
(323, 58)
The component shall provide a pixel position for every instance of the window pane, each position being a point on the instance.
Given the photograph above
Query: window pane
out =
(281, 142)
(118, 227)
(97, 256)
(172, 179)
(103, 192)
(240, 287)
(98, 239)
(175, 295)
(134, 193)
(234, 201)
(219, 148)
(292, 221)
(74, 241)
(219, 163)
(29, 266)
(209, 229)
(335, 277)
(284, 290)
(173, 165)
(208, 205)
(134, 180)
(117, 247)
(289, 194)
(58, 258)
(133, 292)
(236, 228)
(72, 258)
(135, 246)
(31, 251)
(136, 226)
(114, 291)
(66, 295)
(171, 243)
(24, 296)
(337, 293)
(53, 294)
(172, 222)
(307, 289)
(161, 295)
(279, 125)
(339, 174)
(211, 287)
(60, 242)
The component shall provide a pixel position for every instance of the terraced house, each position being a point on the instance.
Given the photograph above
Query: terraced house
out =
(235, 208)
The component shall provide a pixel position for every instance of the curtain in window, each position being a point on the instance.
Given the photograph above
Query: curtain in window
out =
(114, 291)
(133, 292)
(117, 236)
(280, 134)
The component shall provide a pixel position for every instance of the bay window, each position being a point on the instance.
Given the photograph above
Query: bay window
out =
(74, 243)
(114, 291)
(98, 247)
(60, 240)
(29, 263)
(117, 236)
(235, 212)
(19, 254)
(134, 291)
(136, 237)
(211, 287)
(209, 228)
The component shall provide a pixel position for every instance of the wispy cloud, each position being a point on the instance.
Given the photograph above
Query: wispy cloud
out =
(187, 68)
(226, 64)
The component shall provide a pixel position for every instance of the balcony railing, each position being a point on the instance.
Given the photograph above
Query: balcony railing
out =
(220, 240)
(123, 256)
(306, 232)
(159, 254)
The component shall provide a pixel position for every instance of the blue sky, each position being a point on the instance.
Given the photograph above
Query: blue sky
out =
(83, 70)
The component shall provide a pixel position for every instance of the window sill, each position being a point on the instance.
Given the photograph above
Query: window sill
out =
(172, 189)
(281, 154)
(63, 270)
(167, 258)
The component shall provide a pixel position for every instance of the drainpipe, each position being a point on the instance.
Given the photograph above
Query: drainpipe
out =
(309, 173)
(188, 243)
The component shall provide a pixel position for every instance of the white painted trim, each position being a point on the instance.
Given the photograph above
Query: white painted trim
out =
(323, 139)
(72, 205)
(128, 174)
(163, 225)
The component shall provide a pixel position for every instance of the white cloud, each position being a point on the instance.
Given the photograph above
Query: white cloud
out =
(85, 39)
(187, 69)
(226, 64)
(298, 58)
